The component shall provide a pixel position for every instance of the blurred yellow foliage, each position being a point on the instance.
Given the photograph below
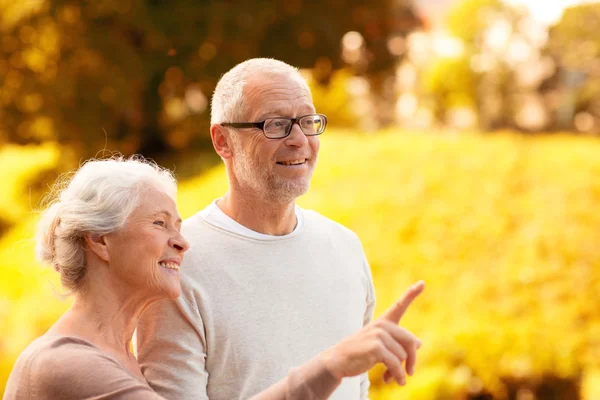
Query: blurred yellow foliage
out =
(335, 99)
(504, 229)
(19, 165)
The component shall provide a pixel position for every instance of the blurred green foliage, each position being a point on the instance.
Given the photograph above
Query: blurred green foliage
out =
(575, 45)
(503, 229)
(335, 100)
(451, 83)
(468, 19)
(577, 26)
(457, 81)
(506, 61)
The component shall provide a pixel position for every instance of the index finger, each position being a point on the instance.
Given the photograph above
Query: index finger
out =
(397, 310)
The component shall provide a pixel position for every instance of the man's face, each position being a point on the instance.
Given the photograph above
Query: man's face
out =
(281, 169)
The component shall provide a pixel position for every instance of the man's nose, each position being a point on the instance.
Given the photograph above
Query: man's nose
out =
(296, 137)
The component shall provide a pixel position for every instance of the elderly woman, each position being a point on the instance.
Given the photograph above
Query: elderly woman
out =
(114, 237)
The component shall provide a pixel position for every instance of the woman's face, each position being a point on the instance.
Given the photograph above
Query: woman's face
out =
(146, 253)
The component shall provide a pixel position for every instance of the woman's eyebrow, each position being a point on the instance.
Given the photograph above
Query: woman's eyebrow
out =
(168, 214)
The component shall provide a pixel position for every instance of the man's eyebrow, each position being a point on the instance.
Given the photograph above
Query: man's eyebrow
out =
(269, 114)
(275, 113)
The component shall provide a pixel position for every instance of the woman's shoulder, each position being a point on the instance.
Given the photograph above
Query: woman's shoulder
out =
(66, 351)
(59, 343)
(56, 366)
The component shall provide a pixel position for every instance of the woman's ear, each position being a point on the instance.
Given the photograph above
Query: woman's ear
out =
(97, 245)
(221, 140)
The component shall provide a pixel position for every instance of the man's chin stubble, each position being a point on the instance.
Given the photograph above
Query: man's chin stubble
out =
(287, 192)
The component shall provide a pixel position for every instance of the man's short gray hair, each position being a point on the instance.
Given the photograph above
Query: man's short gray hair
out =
(228, 103)
(96, 200)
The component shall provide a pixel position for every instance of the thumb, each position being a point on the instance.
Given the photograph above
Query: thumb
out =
(397, 310)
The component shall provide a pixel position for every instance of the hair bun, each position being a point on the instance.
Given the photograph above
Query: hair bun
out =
(46, 243)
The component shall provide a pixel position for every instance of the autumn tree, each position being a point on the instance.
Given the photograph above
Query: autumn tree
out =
(137, 75)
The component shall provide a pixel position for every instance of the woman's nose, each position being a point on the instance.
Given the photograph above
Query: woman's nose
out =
(179, 243)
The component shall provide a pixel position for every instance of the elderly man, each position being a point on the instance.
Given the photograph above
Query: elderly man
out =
(266, 285)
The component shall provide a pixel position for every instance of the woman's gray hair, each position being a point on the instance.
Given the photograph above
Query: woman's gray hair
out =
(95, 200)
(228, 104)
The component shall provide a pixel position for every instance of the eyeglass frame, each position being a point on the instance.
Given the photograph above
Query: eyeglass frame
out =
(261, 125)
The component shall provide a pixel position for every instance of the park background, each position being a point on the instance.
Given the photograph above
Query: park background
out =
(462, 148)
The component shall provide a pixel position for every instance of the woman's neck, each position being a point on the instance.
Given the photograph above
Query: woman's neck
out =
(104, 316)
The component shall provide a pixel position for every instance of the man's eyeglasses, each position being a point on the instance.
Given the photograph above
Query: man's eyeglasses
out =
(278, 128)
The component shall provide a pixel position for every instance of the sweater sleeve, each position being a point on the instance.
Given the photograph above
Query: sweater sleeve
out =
(171, 350)
(310, 381)
(369, 310)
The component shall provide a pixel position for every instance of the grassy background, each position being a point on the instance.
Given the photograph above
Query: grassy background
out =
(504, 229)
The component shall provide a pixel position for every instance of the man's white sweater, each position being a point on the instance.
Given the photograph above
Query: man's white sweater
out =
(252, 309)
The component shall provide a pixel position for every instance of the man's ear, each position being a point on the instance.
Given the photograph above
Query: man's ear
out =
(97, 244)
(221, 141)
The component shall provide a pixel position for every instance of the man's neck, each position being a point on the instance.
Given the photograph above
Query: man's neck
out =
(259, 214)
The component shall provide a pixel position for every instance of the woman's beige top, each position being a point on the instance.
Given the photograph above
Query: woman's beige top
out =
(65, 367)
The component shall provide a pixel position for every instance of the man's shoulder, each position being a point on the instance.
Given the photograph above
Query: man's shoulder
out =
(197, 229)
(321, 221)
(193, 222)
